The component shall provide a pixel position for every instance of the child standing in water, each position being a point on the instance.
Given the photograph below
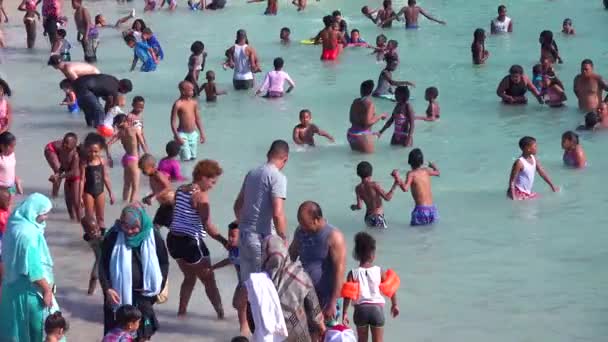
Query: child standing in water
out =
(567, 28)
(433, 112)
(169, 165)
(372, 194)
(419, 180)
(9, 182)
(403, 117)
(70, 97)
(161, 190)
(386, 81)
(96, 179)
(143, 52)
(574, 155)
(478, 48)
(6, 112)
(148, 36)
(525, 167)
(275, 81)
(284, 35)
(196, 63)
(211, 91)
(62, 156)
(130, 138)
(186, 114)
(304, 132)
(369, 306)
(552, 92)
(234, 259)
(61, 46)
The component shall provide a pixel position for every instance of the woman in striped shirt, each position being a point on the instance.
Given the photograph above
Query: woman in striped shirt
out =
(191, 224)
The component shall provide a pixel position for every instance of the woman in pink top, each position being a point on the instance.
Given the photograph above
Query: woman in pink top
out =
(5, 107)
(170, 165)
(274, 81)
(9, 183)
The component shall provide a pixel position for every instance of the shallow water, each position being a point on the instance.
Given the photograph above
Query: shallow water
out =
(491, 270)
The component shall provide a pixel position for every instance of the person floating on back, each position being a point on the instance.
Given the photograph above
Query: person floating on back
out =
(525, 167)
(419, 180)
(372, 194)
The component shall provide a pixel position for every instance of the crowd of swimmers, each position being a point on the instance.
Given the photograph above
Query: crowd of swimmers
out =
(82, 164)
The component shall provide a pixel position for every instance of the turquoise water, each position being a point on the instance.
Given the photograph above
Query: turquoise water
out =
(492, 269)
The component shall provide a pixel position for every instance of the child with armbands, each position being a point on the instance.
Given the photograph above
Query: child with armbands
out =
(365, 286)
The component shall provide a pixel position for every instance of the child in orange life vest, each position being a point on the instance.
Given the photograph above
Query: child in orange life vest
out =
(370, 282)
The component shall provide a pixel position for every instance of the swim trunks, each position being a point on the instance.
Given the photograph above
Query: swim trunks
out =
(189, 148)
(353, 133)
(520, 195)
(375, 221)
(127, 158)
(411, 27)
(330, 55)
(423, 215)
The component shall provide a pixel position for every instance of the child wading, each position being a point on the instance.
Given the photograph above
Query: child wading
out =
(419, 180)
(523, 171)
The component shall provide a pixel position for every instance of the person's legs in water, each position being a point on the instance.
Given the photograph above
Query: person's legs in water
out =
(50, 27)
(30, 29)
(100, 206)
(362, 334)
(131, 178)
(53, 160)
(185, 291)
(239, 303)
(207, 277)
(96, 247)
(72, 202)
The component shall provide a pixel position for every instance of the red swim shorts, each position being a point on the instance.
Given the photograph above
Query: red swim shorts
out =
(330, 55)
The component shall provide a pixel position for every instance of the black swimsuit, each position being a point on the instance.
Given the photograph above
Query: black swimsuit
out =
(516, 89)
(94, 180)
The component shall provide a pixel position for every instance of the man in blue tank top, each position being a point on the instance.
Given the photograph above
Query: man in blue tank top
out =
(322, 251)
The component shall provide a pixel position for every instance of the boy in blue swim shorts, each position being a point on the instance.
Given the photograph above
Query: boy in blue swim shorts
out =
(186, 123)
(372, 194)
(419, 180)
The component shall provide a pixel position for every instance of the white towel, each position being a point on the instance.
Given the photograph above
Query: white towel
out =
(120, 269)
(266, 309)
